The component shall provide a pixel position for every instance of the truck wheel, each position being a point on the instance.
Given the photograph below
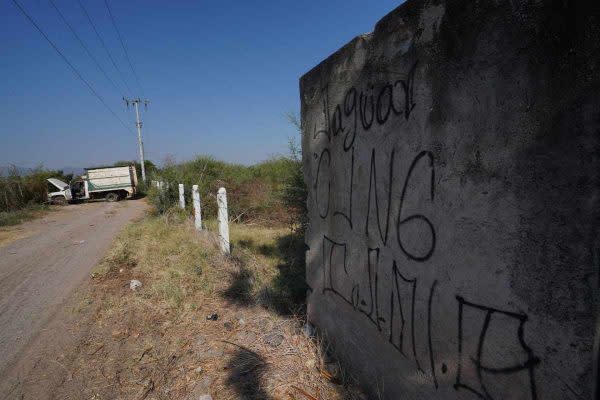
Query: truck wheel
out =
(59, 200)
(112, 197)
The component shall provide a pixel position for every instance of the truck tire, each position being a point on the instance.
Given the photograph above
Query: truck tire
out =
(59, 201)
(112, 196)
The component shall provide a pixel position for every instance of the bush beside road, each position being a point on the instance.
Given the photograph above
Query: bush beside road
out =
(24, 196)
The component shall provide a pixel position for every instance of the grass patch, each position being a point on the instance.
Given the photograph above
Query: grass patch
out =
(271, 267)
(157, 342)
(266, 267)
(9, 221)
(9, 218)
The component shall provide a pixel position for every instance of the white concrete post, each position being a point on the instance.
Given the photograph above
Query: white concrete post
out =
(223, 220)
(197, 214)
(181, 196)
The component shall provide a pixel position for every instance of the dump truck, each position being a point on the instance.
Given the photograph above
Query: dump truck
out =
(109, 183)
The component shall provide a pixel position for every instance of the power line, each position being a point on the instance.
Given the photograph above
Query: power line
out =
(89, 53)
(123, 45)
(69, 63)
(104, 46)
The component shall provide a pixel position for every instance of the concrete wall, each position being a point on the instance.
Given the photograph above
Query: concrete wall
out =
(452, 161)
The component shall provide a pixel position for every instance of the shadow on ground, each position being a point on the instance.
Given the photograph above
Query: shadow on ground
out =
(246, 374)
(286, 293)
(240, 288)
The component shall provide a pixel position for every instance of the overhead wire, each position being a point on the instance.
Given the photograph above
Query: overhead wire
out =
(66, 60)
(123, 45)
(89, 53)
(112, 60)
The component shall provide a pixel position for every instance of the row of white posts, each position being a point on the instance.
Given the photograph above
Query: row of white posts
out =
(222, 217)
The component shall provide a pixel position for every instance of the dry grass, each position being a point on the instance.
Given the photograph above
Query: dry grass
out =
(10, 234)
(156, 343)
(10, 223)
(8, 218)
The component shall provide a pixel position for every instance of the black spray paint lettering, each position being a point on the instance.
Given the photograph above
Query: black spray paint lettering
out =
(367, 302)
(397, 323)
(335, 125)
(374, 196)
(347, 214)
(367, 109)
(397, 339)
(417, 218)
(321, 198)
(330, 270)
(368, 106)
(336, 122)
(480, 388)
(409, 91)
(349, 111)
(386, 102)
(326, 130)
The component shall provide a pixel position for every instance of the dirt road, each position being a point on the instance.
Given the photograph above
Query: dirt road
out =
(39, 272)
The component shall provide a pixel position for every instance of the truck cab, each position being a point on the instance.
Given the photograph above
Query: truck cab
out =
(59, 192)
(79, 189)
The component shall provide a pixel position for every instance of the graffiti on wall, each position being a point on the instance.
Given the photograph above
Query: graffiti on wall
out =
(384, 288)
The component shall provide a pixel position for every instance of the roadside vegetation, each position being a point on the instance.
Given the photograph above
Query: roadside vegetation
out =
(8, 218)
(23, 197)
(202, 322)
(9, 221)
(270, 192)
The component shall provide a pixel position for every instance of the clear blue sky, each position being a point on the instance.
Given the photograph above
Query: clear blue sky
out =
(220, 76)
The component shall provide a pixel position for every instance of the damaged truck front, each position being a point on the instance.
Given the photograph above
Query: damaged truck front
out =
(59, 192)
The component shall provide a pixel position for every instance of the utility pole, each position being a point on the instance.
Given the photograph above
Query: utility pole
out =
(138, 124)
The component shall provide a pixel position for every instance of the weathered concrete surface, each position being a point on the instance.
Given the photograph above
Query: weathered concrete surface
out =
(452, 160)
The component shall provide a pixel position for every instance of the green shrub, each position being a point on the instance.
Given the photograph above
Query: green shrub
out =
(20, 191)
(272, 191)
(294, 192)
(256, 193)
